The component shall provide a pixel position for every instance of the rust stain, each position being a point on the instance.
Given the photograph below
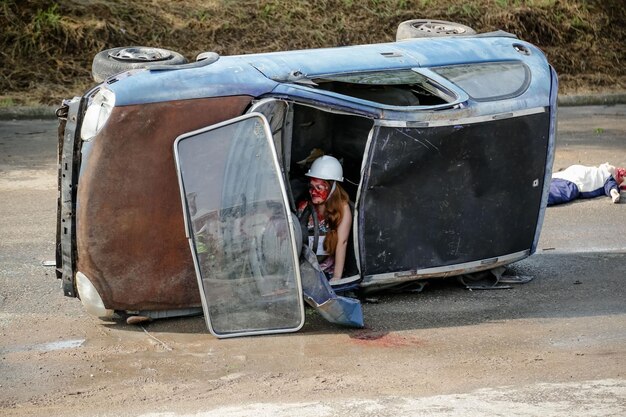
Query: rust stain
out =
(130, 230)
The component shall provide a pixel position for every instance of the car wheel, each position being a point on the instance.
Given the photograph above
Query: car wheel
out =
(113, 61)
(426, 28)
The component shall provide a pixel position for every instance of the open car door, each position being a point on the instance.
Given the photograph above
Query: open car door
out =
(240, 230)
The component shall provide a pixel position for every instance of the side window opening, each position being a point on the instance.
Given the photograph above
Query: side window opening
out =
(316, 132)
(342, 136)
(401, 88)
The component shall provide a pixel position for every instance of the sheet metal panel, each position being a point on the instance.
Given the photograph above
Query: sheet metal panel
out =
(447, 195)
(259, 74)
(549, 157)
(130, 232)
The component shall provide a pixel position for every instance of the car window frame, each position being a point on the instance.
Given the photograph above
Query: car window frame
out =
(286, 206)
(516, 93)
(440, 87)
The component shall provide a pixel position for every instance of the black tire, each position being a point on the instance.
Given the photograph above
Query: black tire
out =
(113, 61)
(427, 28)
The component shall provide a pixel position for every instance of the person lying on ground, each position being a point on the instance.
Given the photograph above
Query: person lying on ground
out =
(580, 181)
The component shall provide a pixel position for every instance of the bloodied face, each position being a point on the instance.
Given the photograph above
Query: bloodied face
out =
(319, 190)
(620, 176)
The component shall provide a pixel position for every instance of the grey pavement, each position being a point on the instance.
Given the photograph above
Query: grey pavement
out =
(553, 347)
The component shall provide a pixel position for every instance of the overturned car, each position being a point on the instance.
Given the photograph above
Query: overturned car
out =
(178, 183)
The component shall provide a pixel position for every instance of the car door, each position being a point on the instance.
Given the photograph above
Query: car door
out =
(240, 230)
(460, 192)
(448, 195)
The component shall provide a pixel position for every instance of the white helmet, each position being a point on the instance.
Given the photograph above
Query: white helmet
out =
(326, 168)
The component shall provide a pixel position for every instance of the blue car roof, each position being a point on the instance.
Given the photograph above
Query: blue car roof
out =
(385, 56)
(259, 74)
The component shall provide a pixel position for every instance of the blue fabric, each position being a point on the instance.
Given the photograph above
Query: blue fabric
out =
(609, 184)
(592, 194)
(562, 191)
(319, 294)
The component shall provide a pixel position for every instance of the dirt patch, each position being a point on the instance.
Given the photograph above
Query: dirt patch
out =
(383, 339)
(48, 49)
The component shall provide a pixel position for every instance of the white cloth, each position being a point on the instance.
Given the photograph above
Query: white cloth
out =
(320, 245)
(586, 178)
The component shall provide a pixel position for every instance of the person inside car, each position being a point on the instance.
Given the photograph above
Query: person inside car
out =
(327, 215)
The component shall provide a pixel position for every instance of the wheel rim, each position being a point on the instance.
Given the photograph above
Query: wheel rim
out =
(440, 28)
(141, 54)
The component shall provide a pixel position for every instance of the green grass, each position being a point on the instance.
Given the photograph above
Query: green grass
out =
(48, 46)
(47, 19)
(6, 102)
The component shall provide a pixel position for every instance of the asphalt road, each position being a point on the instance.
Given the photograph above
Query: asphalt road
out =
(553, 347)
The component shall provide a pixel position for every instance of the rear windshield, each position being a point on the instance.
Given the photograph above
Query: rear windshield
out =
(492, 81)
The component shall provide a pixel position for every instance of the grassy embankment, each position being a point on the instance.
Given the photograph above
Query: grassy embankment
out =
(46, 47)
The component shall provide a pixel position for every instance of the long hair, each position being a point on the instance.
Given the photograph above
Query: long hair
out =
(334, 215)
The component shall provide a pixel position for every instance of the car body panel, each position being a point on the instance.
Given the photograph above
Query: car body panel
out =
(554, 88)
(396, 55)
(228, 76)
(259, 74)
(129, 224)
(445, 195)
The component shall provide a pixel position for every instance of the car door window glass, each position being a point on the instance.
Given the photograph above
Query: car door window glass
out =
(240, 230)
(491, 81)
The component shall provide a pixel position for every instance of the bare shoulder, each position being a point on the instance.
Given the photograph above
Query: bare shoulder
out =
(346, 210)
